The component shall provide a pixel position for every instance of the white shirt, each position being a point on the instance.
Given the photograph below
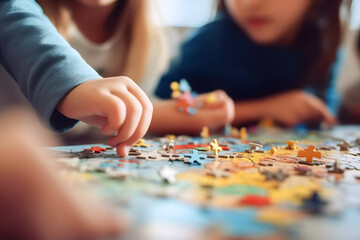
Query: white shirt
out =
(98, 56)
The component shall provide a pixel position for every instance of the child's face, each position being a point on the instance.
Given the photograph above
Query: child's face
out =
(269, 21)
(97, 3)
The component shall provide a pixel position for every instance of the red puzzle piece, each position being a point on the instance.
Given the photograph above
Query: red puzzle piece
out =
(255, 200)
(96, 149)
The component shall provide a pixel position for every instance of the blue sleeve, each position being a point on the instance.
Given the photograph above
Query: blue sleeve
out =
(332, 97)
(42, 63)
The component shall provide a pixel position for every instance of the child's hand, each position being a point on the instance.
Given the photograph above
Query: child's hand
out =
(295, 107)
(217, 113)
(167, 119)
(117, 105)
(33, 196)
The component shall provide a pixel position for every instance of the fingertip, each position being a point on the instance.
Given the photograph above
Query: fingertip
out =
(122, 151)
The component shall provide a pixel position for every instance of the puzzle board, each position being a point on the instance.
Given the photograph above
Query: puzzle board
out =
(185, 192)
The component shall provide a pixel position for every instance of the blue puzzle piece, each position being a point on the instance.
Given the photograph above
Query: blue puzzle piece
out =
(184, 85)
(191, 110)
(194, 157)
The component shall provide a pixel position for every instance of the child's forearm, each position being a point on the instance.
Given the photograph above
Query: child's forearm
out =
(43, 64)
(165, 120)
(248, 111)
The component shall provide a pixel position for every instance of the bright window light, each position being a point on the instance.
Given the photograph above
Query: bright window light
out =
(355, 15)
(185, 13)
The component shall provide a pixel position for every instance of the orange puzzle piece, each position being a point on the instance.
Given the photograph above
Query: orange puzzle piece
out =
(292, 145)
(309, 153)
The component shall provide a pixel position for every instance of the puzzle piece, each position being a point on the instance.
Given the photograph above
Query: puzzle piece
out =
(194, 157)
(184, 85)
(309, 153)
(211, 98)
(171, 146)
(170, 137)
(140, 143)
(243, 134)
(134, 152)
(234, 132)
(255, 200)
(273, 150)
(214, 147)
(253, 147)
(314, 204)
(175, 90)
(205, 132)
(292, 145)
(167, 174)
(344, 146)
(227, 130)
(95, 149)
(336, 168)
(186, 103)
(278, 175)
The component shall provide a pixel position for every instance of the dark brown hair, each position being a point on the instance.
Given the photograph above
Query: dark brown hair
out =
(318, 40)
(136, 32)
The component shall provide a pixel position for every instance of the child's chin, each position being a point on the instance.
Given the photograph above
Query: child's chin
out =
(264, 39)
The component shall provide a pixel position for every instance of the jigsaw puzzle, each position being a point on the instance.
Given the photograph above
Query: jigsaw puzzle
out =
(261, 184)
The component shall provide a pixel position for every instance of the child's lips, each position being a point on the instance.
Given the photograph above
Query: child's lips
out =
(257, 22)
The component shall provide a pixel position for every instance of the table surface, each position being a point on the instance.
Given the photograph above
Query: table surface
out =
(257, 195)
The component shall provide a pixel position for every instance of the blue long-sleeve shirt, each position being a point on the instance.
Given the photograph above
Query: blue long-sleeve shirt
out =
(40, 60)
(221, 56)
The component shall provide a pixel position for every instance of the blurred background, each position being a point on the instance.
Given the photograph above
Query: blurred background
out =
(181, 17)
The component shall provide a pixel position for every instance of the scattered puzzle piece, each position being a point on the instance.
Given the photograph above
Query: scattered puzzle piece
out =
(254, 147)
(214, 147)
(171, 146)
(211, 98)
(243, 134)
(140, 143)
(170, 137)
(234, 132)
(255, 200)
(175, 90)
(344, 146)
(314, 204)
(336, 168)
(227, 130)
(278, 175)
(95, 149)
(194, 157)
(167, 174)
(273, 150)
(205, 132)
(309, 153)
(292, 145)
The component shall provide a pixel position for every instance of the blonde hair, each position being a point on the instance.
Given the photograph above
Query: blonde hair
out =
(136, 32)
